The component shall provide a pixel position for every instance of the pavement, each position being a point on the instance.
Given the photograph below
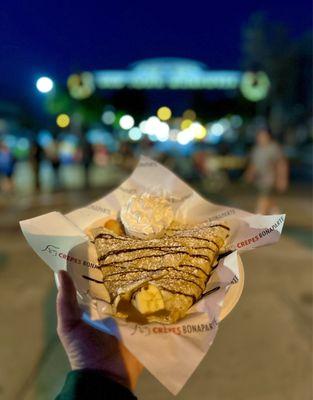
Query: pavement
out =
(263, 349)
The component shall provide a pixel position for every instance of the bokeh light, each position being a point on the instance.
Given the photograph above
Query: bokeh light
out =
(108, 117)
(81, 86)
(189, 114)
(44, 138)
(199, 130)
(255, 85)
(135, 134)
(162, 132)
(44, 84)
(236, 121)
(183, 137)
(217, 129)
(156, 129)
(126, 122)
(185, 123)
(63, 120)
(164, 113)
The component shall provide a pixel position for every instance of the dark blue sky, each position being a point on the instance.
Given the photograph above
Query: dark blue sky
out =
(59, 37)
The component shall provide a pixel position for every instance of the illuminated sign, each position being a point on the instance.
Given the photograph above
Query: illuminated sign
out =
(168, 73)
(175, 74)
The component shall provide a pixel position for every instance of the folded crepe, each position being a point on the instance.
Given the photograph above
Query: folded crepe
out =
(159, 279)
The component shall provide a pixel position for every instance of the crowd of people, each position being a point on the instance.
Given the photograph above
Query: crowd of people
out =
(209, 167)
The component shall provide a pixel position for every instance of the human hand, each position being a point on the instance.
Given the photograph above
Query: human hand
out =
(87, 347)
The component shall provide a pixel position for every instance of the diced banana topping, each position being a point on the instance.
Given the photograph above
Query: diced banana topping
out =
(148, 300)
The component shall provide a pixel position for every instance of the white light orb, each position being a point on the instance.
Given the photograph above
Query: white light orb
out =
(217, 129)
(44, 84)
(163, 132)
(127, 122)
(184, 137)
(135, 134)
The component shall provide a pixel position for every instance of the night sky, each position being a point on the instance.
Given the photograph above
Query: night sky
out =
(59, 37)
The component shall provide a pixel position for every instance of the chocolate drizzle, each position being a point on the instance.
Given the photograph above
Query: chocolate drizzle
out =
(91, 279)
(163, 249)
(156, 270)
(210, 292)
(198, 238)
(155, 255)
(180, 262)
(109, 236)
(207, 226)
(178, 269)
(219, 225)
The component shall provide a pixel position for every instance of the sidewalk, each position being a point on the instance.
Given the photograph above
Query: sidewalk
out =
(262, 350)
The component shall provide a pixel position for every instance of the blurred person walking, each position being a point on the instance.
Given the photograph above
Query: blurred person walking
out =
(52, 154)
(7, 164)
(87, 155)
(268, 171)
(36, 158)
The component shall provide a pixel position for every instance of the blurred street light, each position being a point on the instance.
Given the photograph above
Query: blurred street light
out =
(189, 115)
(164, 113)
(199, 130)
(255, 85)
(81, 86)
(127, 122)
(108, 117)
(44, 84)
(63, 120)
(185, 123)
(135, 134)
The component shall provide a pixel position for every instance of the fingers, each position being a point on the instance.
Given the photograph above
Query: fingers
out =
(68, 311)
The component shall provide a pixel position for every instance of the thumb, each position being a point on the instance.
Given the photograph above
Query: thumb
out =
(68, 311)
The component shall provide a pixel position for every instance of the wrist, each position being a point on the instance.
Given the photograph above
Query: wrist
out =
(105, 372)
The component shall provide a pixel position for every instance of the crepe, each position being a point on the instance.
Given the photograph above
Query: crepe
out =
(158, 279)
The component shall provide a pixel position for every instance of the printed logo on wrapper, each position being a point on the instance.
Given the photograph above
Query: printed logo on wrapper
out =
(56, 237)
(261, 234)
(184, 329)
(224, 214)
(51, 249)
(98, 208)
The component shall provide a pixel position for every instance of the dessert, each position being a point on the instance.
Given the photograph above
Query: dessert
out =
(157, 275)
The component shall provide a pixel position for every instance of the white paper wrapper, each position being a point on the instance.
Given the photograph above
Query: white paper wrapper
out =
(170, 352)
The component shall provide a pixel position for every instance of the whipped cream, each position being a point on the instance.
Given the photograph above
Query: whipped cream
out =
(146, 215)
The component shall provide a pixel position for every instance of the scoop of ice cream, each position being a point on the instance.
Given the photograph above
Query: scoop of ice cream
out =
(146, 215)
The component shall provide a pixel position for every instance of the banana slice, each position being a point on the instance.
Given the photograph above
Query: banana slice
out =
(148, 300)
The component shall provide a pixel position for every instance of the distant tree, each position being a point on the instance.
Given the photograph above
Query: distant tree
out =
(267, 46)
(90, 109)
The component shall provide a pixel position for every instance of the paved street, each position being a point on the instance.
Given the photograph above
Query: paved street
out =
(263, 350)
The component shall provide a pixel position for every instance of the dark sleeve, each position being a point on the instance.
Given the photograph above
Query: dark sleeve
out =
(86, 384)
